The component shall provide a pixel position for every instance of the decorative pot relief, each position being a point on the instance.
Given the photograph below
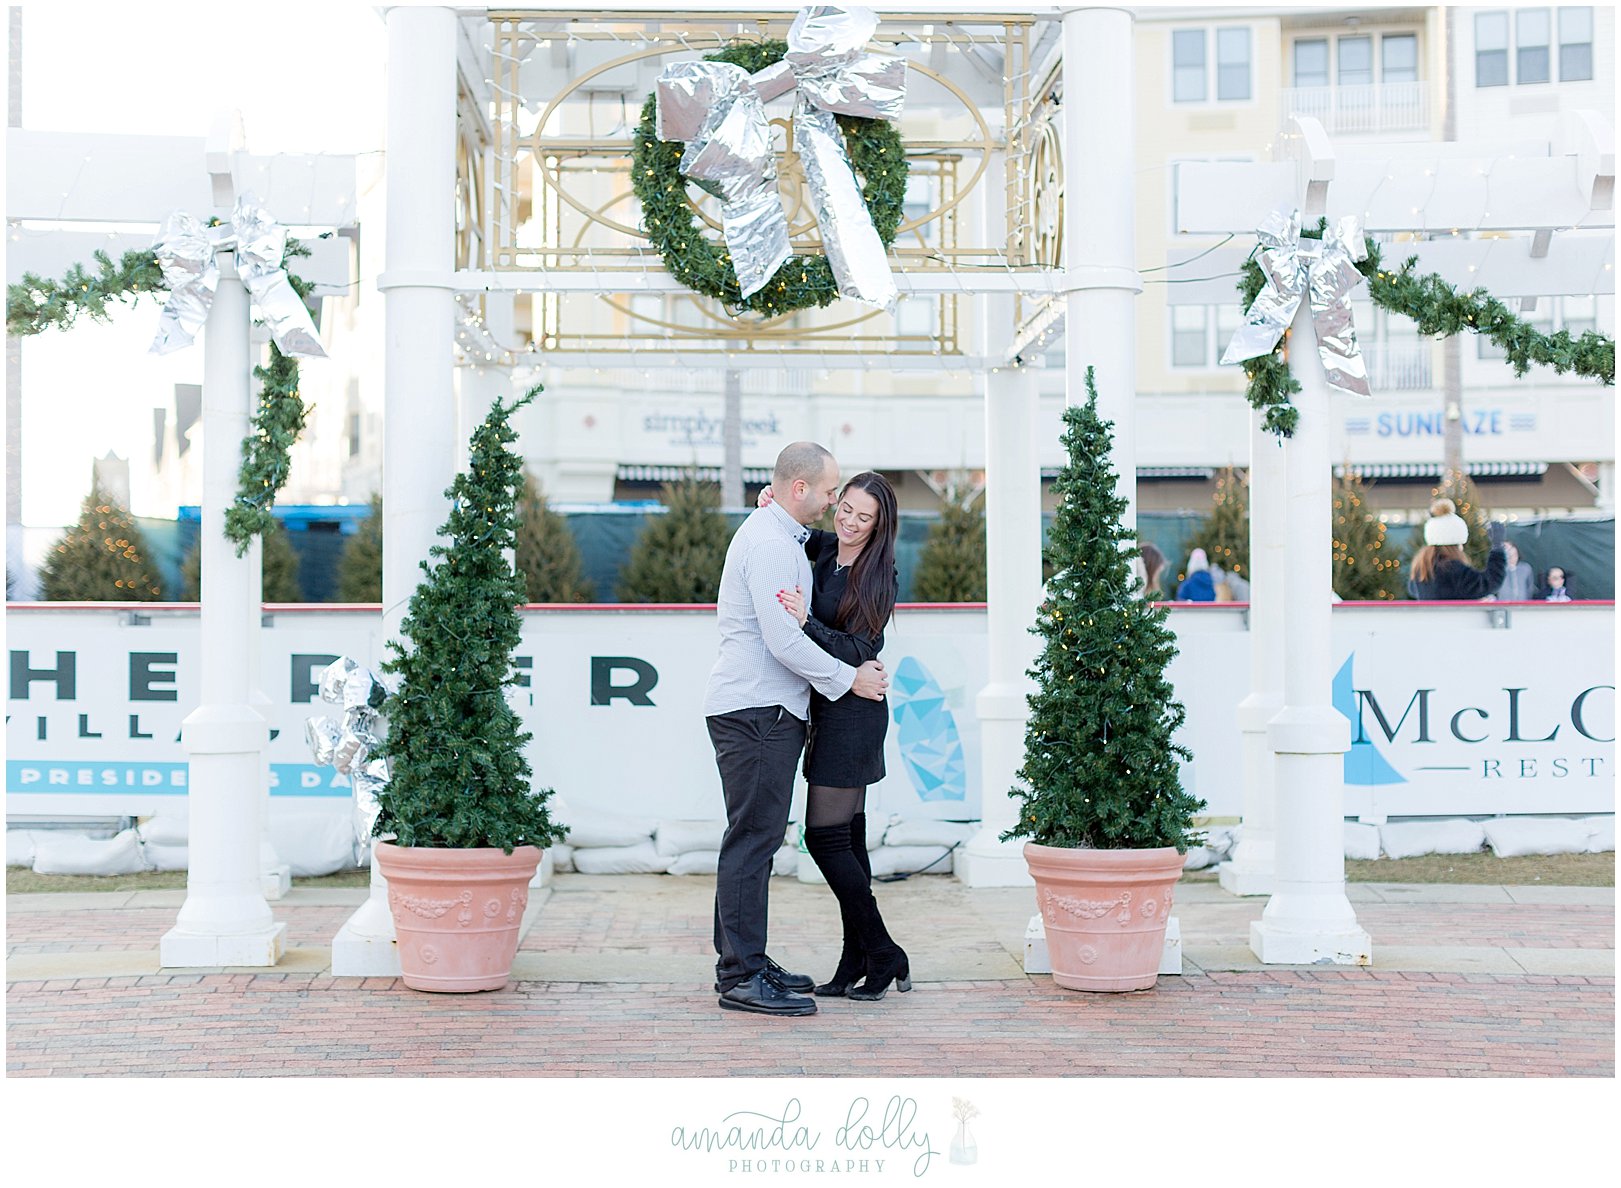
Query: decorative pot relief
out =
(1089, 909)
(1087, 954)
(1148, 909)
(520, 900)
(429, 954)
(432, 909)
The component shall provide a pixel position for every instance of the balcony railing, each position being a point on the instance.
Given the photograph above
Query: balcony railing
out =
(1388, 107)
(1397, 366)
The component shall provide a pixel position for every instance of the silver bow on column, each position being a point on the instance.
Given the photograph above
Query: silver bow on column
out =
(719, 111)
(1323, 270)
(186, 252)
(350, 744)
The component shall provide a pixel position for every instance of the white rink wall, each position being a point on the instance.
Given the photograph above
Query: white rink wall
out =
(1462, 710)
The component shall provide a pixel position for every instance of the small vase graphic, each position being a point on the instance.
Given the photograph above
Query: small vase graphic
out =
(963, 1147)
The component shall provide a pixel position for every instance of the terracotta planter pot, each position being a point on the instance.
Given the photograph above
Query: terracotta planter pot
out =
(456, 913)
(1104, 912)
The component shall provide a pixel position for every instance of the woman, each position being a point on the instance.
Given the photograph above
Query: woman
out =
(854, 583)
(1440, 573)
(1557, 585)
(1151, 566)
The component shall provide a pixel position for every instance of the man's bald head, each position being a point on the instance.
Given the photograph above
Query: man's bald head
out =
(805, 480)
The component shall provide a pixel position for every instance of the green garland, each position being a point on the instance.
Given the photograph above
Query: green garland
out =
(36, 304)
(1439, 310)
(705, 266)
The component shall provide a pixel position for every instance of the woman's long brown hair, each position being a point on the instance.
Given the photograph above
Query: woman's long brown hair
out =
(869, 595)
(1426, 559)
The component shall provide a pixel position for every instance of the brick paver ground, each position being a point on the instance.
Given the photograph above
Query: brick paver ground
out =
(1208, 1022)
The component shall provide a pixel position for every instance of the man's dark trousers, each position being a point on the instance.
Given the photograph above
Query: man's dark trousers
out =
(756, 751)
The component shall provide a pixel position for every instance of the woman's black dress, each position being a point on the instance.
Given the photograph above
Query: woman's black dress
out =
(845, 744)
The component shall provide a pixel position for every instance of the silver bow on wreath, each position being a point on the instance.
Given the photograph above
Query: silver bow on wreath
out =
(1323, 270)
(719, 111)
(185, 249)
(349, 745)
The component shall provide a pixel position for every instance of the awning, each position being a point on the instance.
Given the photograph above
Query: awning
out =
(759, 475)
(1157, 474)
(1432, 470)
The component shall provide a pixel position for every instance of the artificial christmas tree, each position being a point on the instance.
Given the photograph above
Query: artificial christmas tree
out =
(278, 567)
(360, 569)
(102, 558)
(680, 554)
(1460, 488)
(1102, 800)
(1224, 534)
(467, 827)
(546, 555)
(951, 565)
(1367, 567)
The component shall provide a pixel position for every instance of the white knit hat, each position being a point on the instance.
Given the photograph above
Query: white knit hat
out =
(1445, 527)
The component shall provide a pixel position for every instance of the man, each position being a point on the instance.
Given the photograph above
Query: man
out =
(756, 707)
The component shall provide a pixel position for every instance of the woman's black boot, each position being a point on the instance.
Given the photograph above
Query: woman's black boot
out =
(830, 847)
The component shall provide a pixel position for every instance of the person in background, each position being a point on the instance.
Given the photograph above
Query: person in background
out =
(1198, 585)
(1519, 582)
(1152, 564)
(1440, 573)
(1557, 585)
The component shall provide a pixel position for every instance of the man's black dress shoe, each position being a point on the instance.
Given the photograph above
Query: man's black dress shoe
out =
(763, 996)
(783, 980)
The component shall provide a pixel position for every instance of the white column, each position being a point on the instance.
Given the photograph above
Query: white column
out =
(419, 417)
(224, 919)
(1606, 487)
(1013, 591)
(1251, 870)
(1100, 194)
(275, 877)
(1308, 920)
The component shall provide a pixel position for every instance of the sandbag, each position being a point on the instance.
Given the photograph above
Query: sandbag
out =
(592, 829)
(695, 862)
(21, 844)
(166, 829)
(1198, 858)
(165, 857)
(1600, 834)
(562, 857)
(1520, 837)
(314, 840)
(638, 859)
(118, 855)
(1361, 841)
(924, 832)
(681, 837)
(891, 860)
(785, 863)
(1410, 839)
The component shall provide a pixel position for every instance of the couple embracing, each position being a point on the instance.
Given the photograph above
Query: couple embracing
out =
(802, 615)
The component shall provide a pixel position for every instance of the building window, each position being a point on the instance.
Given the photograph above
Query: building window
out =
(1356, 61)
(1578, 315)
(1399, 57)
(1188, 334)
(1200, 333)
(1491, 49)
(1190, 61)
(1187, 65)
(1533, 46)
(1531, 36)
(1311, 63)
(1575, 44)
(1232, 64)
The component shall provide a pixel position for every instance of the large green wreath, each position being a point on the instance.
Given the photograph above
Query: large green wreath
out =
(704, 265)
